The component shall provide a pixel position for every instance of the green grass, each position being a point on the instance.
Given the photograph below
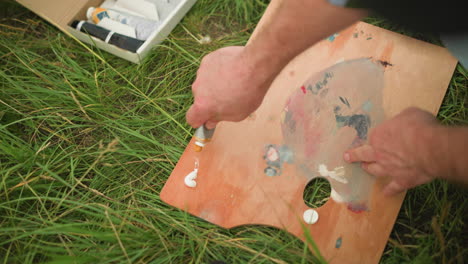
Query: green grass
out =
(87, 144)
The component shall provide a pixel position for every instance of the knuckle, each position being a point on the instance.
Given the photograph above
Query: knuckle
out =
(195, 86)
(197, 105)
(206, 58)
(202, 105)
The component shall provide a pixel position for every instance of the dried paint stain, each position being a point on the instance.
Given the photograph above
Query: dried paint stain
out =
(357, 208)
(275, 156)
(367, 106)
(385, 63)
(338, 242)
(303, 89)
(307, 133)
(345, 101)
(323, 93)
(315, 89)
(360, 123)
(289, 121)
(332, 37)
(336, 174)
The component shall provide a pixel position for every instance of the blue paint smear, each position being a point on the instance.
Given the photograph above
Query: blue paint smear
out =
(332, 37)
(315, 89)
(269, 171)
(286, 154)
(367, 106)
(359, 122)
(338, 243)
(274, 168)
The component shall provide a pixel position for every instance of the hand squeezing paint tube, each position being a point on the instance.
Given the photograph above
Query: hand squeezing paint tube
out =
(119, 40)
(202, 135)
(143, 27)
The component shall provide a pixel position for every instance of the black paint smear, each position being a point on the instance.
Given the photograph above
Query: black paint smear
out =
(359, 122)
(385, 63)
(342, 100)
(345, 101)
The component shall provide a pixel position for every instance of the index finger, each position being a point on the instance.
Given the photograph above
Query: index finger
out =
(197, 116)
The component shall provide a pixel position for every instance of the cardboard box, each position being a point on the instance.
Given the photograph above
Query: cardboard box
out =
(61, 13)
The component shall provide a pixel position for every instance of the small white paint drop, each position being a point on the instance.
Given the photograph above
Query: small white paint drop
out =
(190, 179)
(310, 216)
(337, 174)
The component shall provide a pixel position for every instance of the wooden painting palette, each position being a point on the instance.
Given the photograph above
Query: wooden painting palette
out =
(324, 102)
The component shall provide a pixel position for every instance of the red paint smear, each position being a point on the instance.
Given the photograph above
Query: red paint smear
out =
(357, 208)
(303, 89)
(308, 129)
(295, 105)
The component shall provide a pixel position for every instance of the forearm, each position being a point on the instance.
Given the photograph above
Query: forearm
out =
(291, 26)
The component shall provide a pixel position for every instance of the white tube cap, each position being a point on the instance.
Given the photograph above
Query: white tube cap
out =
(89, 13)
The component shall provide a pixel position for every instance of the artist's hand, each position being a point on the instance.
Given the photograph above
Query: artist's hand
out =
(227, 88)
(402, 149)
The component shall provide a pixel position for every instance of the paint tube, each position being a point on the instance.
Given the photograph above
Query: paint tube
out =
(202, 136)
(143, 27)
(119, 40)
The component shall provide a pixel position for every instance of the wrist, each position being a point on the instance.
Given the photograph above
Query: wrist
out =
(263, 64)
(438, 153)
(454, 142)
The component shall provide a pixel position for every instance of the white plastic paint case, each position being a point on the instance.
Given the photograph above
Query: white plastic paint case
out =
(142, 27)
(170, 15)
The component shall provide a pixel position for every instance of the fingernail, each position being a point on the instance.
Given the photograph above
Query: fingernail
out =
(346, 157)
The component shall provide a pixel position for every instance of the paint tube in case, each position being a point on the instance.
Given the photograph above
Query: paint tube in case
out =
(202, 136)
(119, 40)
(143, 27)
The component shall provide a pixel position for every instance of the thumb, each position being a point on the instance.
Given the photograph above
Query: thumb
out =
(197, 116)
(363, 153)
